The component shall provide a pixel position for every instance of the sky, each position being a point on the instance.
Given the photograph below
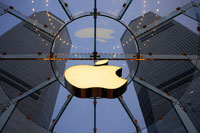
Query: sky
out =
(111, 117)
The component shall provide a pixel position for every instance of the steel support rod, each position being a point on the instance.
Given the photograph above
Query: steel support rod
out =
(184, 118)
(95, 127)
(95, 30)
(124, 9)
(154, 89)
(134, 121)
(66, 9)
(55, 121)
(35, 89)
(176, 104)
(13, 103)
(165, 19)
(24, 18)
(6, 115)
(101, 56)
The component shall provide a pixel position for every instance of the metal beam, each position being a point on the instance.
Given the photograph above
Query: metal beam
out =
(169, 57)
(24, 18)
(101, 56)
(95, 30)
(138, 129)
(6, 115)
(5, 56)
(13, 103)
(66, 9)
(154, 89)
(95, 115)
(184, 118)
(124, 9)
(165, 19)
(176, 104)
(35, 89)
(60, 112)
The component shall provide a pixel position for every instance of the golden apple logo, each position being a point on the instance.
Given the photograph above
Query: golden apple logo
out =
(101, 80)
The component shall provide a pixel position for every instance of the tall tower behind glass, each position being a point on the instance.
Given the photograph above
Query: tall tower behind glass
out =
(33, 114)
(172, 77)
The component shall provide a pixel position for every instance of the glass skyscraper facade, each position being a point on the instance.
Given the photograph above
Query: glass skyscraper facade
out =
(176, 78)
(34, 113)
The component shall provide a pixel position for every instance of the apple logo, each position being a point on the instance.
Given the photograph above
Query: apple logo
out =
(101, 80)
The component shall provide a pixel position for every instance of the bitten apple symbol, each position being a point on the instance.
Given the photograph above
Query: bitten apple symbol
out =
(101, 80)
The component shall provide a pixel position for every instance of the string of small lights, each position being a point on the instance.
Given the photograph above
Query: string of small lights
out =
(50, 17)
(157, 11)
(36, 21)
(80, 12)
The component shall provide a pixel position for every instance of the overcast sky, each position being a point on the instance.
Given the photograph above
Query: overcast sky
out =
(111, 117)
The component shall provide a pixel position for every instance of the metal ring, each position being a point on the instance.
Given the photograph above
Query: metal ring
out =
(87, 14)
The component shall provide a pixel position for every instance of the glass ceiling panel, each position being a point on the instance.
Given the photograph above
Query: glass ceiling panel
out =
(78, 117)
(161, 7)
(108, 36)
(7, 22)
(111, 117)
(76, 9)
(110, 6)
(81, 40)
(132, 102)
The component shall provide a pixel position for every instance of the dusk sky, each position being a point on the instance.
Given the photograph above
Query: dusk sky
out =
(111, 117)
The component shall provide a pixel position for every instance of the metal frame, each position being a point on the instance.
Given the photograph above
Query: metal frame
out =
(101, 56)
(53, 64)
(95, 115)
(95, 31)
(13, 103)
(176, 104)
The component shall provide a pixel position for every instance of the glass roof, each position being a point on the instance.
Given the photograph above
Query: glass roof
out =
(114, 23)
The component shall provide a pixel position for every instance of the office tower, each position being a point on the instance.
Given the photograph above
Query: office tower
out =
(33, 114)
(176, 78)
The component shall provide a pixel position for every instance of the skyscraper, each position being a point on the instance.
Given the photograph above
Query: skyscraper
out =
(33, 114)
(172, 77)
